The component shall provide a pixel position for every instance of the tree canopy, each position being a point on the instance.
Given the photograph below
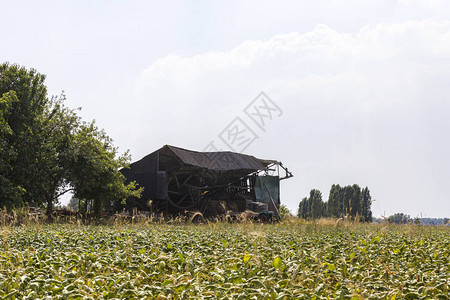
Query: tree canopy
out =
(348, 201)
(399, 218)
(46, 149)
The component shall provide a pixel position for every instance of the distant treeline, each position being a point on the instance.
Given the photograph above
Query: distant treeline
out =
(401, 218)
(347, 201)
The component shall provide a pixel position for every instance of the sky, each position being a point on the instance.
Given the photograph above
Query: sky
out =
(355, 91)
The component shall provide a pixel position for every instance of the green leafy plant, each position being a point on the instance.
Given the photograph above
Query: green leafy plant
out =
(222, 260)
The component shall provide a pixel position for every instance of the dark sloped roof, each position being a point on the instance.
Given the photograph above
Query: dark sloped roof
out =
(219, 161)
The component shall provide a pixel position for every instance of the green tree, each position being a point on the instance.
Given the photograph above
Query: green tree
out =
(57, 130)
(94, 169)
(285, 212)
(399, 218)
(347, 195)
(38, 134)
(10, 193)
(303, 209)
(366, 202)
(23, 100)
(46, 150)
(355, 201)
(315, 197)
(325, 209)
(349, 201)
(335, 201)
(312, 207)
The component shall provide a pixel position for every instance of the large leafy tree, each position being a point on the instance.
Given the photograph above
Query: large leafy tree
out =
(36, 134)
(58, 129)
(94, 166)
(24, 98)
(10, 193)
(46, 150)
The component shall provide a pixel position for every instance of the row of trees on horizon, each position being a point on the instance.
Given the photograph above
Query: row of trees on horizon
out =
(343, 201)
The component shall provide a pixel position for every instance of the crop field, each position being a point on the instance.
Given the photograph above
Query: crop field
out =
(293, 260)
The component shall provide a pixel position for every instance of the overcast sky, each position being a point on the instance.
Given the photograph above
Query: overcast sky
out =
(362, 87)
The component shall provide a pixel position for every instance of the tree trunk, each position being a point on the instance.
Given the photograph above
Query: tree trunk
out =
(50, 198)
(98, 206)
(49, 207)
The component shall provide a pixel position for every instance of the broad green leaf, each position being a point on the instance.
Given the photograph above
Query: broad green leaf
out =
(277, 262)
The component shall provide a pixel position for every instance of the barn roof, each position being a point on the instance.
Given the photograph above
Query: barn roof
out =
(218, 161)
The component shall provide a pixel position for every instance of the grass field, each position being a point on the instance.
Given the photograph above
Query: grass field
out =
(221, 260)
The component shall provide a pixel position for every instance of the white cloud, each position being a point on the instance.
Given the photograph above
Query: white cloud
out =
(357, 106)
(322, 63)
